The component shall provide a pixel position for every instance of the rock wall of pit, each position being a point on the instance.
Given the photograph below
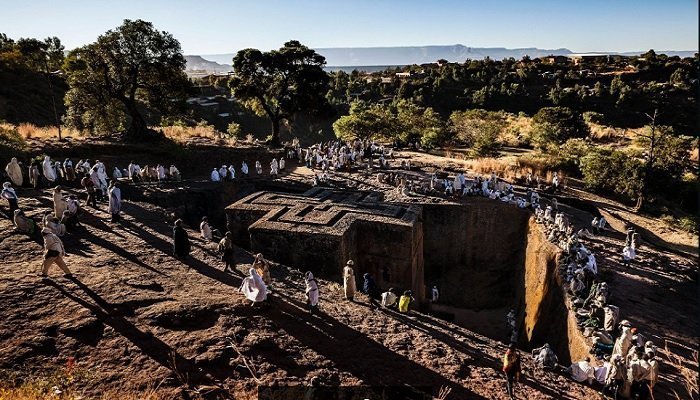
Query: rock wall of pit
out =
(473, 252)
(544, 315)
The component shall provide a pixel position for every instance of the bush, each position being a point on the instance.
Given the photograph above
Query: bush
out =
(612, 171)
(233, 130)
(555, 125)
(480, 130)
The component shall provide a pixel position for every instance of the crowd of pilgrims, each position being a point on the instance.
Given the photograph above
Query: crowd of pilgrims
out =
(628, 365)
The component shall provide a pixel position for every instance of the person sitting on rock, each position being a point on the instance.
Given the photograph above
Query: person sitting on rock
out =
(23, 223)
(545, 357)
(389, 298)
(406, 301)
(253, 287)
(582, 371)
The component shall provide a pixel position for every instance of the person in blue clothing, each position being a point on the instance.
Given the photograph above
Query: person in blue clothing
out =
(369, 287)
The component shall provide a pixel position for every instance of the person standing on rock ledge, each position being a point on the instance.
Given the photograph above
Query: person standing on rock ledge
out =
(115, 201)
(511, 367)
(349, 286)
(181, 242)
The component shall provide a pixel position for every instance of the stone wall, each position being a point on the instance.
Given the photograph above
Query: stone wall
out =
(545, 315)
(473, 251)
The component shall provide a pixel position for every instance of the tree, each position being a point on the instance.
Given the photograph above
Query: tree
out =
(132, 68)
(480, 130)
(555, 125)
(366, 122)
(280, 83)
(666, 157)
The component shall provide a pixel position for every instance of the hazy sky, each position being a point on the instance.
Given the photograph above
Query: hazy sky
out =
(215, 26)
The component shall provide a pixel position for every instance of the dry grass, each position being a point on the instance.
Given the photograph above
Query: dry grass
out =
(30, 131)
(182, 134)
(511, 168)
(689, 374)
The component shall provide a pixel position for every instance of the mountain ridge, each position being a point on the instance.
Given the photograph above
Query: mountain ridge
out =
(407, 55)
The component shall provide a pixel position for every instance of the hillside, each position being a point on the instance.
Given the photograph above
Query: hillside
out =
(197, 63)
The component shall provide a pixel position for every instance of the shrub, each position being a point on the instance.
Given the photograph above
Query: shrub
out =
(480, 130)
(555, 125)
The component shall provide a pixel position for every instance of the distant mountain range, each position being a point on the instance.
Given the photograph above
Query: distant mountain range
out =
(399, 56)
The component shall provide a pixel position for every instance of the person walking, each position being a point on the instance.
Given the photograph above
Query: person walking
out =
(89, 186)
(53, 253)
(511, 368)
(227, 252)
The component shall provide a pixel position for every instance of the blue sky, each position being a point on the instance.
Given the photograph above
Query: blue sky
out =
(216, 26)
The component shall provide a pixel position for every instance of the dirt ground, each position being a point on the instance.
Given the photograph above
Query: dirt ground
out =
(135, 318)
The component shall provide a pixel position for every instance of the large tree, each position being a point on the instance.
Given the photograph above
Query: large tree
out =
(280, 83)
(128, 70)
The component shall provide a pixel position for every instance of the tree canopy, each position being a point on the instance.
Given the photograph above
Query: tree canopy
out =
(129, 71)
(280, 83)
(555, 125)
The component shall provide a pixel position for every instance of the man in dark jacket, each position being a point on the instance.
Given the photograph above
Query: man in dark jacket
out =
(181, 242)
(369, 287)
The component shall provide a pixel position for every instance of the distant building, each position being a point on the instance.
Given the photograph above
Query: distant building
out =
(557, 60)
(589, 58)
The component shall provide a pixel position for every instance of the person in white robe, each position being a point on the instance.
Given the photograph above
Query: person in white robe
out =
(231, 172)
(205, 229)
(59, 203)
(9, 194)
(54, 225)
(161, 172)
(582, 371)
(102, 178)
(311, 290)
(282, 164)
(435, 294)
(223, 171)
(591, 264)
(47, 167)
(253, 287)
(628, 255)
(623, 343)
(349, 284)
(116, 174)
(115, 201)
(14, 171)
(274, 167)
(174, 173)
(215, 177)
(244, 169)
(258, 167)
(68, 168)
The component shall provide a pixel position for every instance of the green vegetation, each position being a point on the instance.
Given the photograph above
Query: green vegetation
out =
(128, 72)
(280, 83)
